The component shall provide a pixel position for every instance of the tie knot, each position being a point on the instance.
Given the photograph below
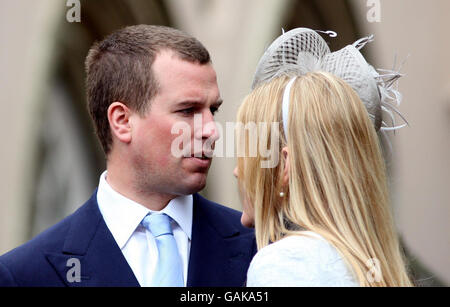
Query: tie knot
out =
(158, 224)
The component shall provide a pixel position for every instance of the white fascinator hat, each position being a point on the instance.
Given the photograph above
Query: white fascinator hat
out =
(301, 50)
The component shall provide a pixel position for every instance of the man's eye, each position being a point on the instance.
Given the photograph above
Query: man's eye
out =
(192, 110)
(214, 110)
(187, 111)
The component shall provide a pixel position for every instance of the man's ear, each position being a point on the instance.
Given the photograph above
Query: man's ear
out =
(285, 153)
(119, 121)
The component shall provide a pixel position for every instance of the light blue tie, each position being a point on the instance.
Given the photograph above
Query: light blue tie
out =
(169, 271)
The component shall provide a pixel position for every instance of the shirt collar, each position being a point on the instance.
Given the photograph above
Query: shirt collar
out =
(180, 210)
(123, 215)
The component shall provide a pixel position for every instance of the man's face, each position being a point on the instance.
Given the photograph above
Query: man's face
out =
(185, 90)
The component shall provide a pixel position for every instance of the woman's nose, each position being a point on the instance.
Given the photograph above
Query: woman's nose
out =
(235, 172)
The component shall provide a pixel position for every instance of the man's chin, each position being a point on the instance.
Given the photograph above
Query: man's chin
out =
(194, 184)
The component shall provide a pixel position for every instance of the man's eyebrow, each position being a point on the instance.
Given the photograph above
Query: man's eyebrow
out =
(190, 103)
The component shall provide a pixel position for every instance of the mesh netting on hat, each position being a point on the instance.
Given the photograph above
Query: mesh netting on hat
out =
(303, 50)
(296, 51)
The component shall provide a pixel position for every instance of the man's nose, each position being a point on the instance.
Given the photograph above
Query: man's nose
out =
(209, 128)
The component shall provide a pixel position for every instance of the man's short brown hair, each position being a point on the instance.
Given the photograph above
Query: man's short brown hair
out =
(119, 69)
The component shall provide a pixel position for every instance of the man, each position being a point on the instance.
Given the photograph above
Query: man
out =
(142, 81)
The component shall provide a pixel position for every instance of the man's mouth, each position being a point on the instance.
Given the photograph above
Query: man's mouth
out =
(203, 155)
(200, 161)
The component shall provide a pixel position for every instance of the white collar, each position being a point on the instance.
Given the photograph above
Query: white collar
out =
(123, 216)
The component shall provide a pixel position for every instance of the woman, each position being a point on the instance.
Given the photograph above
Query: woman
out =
(322, 215)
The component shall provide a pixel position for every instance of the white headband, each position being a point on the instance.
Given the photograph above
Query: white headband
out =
(285, 105)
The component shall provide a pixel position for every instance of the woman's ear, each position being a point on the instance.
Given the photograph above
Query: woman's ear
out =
(119, 121)
(285, 153)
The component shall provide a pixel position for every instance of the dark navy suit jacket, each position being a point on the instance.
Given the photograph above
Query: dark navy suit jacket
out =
(221, 251)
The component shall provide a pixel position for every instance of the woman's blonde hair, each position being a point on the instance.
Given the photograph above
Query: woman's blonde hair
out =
(337, 177)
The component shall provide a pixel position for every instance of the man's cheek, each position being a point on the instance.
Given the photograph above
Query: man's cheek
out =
(163, 152)
(181, 141)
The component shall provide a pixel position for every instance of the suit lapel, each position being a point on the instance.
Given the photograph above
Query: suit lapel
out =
(217, 251)
(91, 252)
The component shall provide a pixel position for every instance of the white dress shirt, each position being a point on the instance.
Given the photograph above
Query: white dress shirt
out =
(123, 217)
